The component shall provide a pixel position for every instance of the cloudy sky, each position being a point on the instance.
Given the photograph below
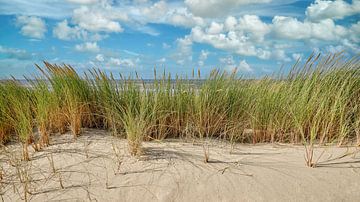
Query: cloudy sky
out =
(256, 36)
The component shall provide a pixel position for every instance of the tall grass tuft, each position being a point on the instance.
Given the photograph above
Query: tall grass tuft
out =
(6, 127)
(73, 96)
(135, 119)
(44, 102)
(107, 101)
(19, 113)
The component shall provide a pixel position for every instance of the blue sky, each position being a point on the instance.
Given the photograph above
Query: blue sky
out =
(257, 37)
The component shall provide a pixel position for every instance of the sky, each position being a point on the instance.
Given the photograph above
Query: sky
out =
(256, 37)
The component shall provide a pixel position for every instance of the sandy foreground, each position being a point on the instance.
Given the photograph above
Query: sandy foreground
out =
(97, 167)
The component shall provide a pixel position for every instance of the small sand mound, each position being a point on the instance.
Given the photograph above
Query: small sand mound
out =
(98, 167)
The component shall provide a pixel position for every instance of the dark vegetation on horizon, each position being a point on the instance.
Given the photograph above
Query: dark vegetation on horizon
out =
(316, 102)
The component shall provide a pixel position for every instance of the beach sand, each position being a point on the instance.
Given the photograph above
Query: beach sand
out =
(98, 167)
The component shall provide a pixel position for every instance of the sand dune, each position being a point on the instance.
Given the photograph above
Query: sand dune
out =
(97, 167)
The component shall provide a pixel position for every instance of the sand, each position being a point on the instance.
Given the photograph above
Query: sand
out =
(97, 167)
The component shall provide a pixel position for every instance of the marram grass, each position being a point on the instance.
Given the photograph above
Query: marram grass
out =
(317, 102)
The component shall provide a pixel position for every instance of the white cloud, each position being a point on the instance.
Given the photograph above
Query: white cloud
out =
(165, 13)
(291, 28)
(98, 19)
(234, 41)
(230, 23)
(121, 62)
(230, 65)
(355, 32)
(82, 1)
(215, 8)
(244, 66)
(203, 56)
(181, 17)
(243, 36)
(87, 47)
(215, 28)
(338, 9)
(184, 50)
(280, 54)
(253, 25)
(162, 60)
(31, 26)
(355, 47)
(63, 31)
(110, 62)
(100, 57)
(228, 62)
(156, 11)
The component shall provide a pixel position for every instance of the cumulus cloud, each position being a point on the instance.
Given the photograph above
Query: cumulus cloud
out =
(236, 38)
(121, 62)
(181, 17)
(279, 54)
(355, 47)
(229, 64)
(230, 23)
(87, 47)
(355, 32)
(184, 50)
(215, 28)
(98, 19)
(203, 56)
(338, 9)
(31, 26)
(244, 66)
(165, 13)
(110, 62)
(291, 28)
(253, 25)
(215, 8)
(63, 31)
(156, 11)
(100, 57)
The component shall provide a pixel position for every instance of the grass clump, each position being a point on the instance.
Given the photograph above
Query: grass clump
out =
(19, 113)
(44, 105)
(135, 117)
(108, 101)
(6, 128)
(73, 96)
